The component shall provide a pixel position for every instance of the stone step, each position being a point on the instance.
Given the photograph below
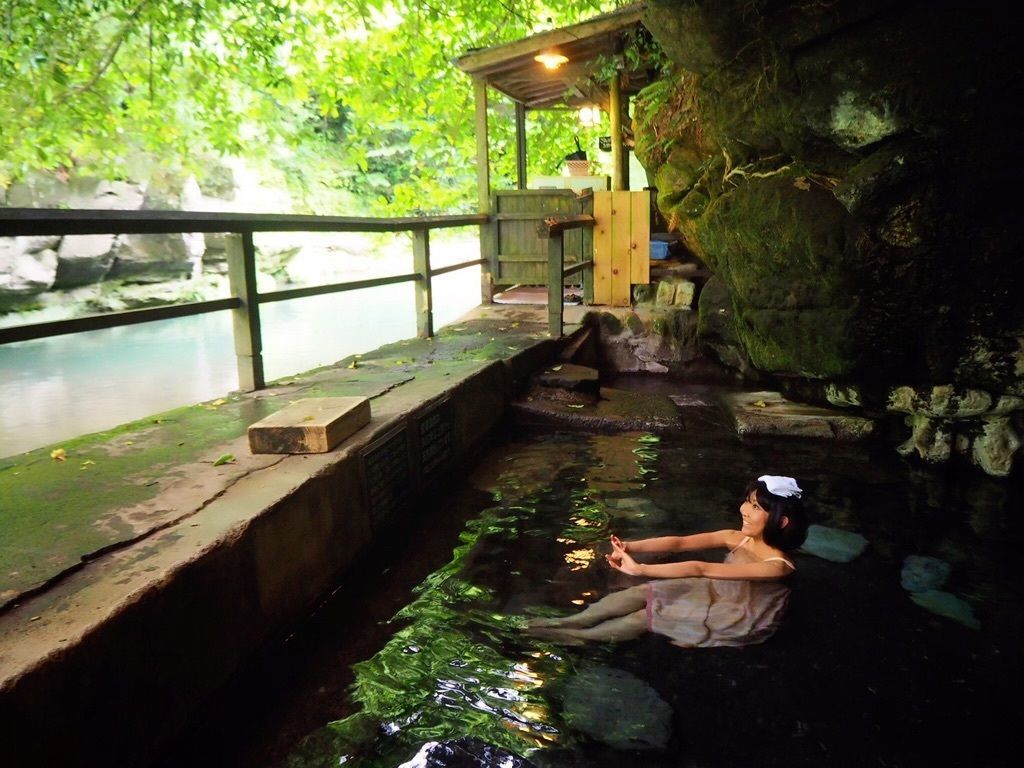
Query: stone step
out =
(769, 413)
(615, 410)
(578, 378)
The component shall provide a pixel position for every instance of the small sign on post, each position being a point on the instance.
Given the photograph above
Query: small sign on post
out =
(313, 425)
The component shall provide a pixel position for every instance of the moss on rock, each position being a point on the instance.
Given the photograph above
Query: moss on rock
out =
(836, 166)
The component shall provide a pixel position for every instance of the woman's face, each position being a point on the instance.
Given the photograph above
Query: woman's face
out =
(754, 516)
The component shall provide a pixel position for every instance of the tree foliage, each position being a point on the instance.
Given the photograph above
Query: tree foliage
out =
(357, 95)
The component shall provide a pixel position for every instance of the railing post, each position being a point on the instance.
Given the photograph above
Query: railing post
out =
(556, 263)
(246, 319)
(424, 293)
(488, 244)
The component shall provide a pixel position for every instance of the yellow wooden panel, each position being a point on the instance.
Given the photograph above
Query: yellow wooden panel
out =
(640, 238)
(620, 249)
(603, 248)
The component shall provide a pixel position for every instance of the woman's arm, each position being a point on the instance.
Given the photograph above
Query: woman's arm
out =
(620, 560)
(707, 540)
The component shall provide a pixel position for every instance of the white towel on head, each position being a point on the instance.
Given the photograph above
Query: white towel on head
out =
(781, 485)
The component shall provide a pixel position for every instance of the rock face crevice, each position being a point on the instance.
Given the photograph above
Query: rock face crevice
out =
(841, 169)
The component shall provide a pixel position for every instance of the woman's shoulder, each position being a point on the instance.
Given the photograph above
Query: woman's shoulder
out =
(734, 539)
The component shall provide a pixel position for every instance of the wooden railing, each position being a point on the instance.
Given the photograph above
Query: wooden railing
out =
(245, 298)
(554, 228)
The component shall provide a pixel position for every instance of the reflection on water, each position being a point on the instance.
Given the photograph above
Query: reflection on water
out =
(54, 389)
(857, 674)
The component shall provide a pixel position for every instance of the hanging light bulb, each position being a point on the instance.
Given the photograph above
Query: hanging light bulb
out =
(589, 116)
(551, 59)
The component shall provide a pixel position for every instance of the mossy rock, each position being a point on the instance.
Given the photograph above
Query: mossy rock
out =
(786, 252)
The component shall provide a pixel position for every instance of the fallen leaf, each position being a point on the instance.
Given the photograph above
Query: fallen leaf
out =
(556, 369)
(760, 404)
(59, 454)
(572, 405)
(801, 183)
(224, 459)
(35, 618)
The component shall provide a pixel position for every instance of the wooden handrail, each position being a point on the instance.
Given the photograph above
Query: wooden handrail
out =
(246, 298)
(57, 221)
(556, 225)
(572, 269)
(554, 228)
(113, 320)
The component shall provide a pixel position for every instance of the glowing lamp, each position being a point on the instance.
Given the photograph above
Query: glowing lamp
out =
(589, 115)
(551, 59)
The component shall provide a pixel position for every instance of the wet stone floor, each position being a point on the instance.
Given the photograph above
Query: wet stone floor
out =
(431, 648)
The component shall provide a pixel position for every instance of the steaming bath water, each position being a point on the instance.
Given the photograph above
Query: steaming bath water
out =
(857, 674)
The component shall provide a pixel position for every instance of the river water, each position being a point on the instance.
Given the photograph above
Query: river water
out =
(58, 388)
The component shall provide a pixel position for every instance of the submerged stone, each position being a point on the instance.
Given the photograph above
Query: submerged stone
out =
(617, 709)
(833, 544)
(921, 573)
(633, 508)
(465, 753)
(948, 605)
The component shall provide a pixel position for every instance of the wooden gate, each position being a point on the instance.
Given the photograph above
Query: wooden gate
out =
(622, 245)
(519, 255)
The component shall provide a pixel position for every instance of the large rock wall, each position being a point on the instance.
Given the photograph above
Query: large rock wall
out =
(31, 266)
(840, 167)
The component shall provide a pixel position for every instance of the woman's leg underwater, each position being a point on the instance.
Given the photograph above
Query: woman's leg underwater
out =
(615, 605)
(614, 630)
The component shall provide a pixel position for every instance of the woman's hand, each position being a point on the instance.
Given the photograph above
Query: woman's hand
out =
(620, 560)
(619, 543)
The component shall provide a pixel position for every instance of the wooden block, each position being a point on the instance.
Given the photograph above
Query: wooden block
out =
(314, 425)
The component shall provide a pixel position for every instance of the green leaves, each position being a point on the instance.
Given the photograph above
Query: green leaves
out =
(352, 97)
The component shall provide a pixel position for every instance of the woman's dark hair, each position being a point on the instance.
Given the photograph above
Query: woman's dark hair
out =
(785, 537)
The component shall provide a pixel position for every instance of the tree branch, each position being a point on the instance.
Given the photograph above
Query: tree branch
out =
(108, 56)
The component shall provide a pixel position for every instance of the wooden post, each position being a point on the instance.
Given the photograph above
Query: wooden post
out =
(615, 113)
(488, 247)
(520, 145)
(588, 285)
(246, 319)
(424, 294)
(556, 263)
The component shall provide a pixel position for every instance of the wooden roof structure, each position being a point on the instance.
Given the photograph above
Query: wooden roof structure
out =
(582, 79)
(512, 70)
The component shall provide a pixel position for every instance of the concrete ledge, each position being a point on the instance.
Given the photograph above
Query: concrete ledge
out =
(107, 665)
